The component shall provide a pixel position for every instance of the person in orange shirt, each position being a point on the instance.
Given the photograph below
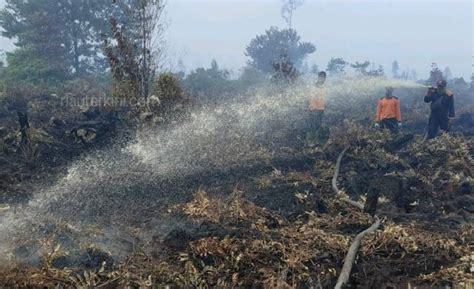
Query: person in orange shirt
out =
(388, 112)
(317, 105)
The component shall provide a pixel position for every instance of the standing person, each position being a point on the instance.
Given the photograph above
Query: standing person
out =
(388, 114)
(442, 108)
(317, 105)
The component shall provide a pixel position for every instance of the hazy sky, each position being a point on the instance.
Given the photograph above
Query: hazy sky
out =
(415, 33)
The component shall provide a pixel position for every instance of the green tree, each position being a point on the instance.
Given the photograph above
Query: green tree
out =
(267, 49)
(55, 39)
(132, 52)
(336, 65)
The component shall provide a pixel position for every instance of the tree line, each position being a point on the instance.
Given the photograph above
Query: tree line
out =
(62, 40)
(58, 40)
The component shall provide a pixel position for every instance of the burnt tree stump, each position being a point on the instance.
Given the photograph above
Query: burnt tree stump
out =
(370, 206)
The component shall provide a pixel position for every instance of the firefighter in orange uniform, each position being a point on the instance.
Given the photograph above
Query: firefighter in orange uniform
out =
(317, 105)
(388, 112)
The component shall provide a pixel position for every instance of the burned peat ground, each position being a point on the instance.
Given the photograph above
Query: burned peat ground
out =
(260, 215)
(276, 223)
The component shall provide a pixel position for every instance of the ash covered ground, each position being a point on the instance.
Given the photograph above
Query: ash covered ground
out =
(232, 197)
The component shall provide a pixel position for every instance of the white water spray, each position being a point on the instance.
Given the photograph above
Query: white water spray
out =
(125, 186)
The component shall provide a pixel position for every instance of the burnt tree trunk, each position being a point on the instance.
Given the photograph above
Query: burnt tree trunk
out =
(370, 206)
(24, 127)
(26, 146)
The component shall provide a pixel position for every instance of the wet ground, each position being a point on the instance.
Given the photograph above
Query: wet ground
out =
(133, 207)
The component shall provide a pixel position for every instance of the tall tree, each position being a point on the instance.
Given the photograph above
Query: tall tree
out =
(269, 48)
(54, 39)
(84, 23)
(288, 10)
(133, 55)
(147, 17)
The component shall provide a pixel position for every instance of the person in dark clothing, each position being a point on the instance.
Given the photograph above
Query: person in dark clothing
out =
(442, 108)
